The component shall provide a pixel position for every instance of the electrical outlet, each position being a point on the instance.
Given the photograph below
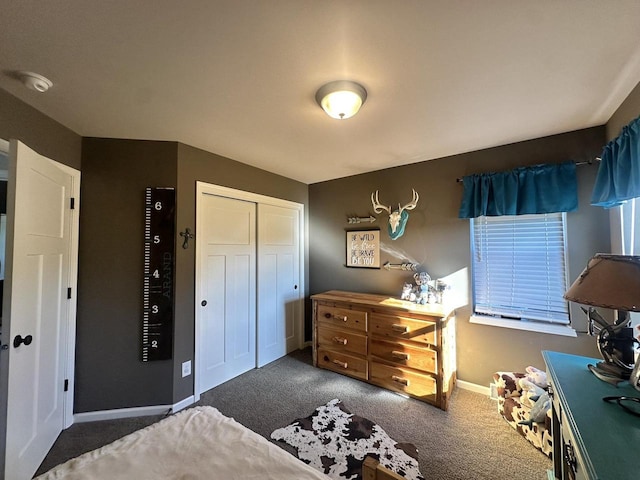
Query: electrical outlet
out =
(186, 368)
(493, 389)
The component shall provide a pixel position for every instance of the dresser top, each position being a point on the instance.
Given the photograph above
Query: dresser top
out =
(607, 436)
(385, 301)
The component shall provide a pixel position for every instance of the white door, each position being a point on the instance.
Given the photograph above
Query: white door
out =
(227, 290)
(278, 282)
(37, 312)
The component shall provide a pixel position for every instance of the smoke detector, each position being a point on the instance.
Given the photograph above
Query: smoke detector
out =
(35, 81)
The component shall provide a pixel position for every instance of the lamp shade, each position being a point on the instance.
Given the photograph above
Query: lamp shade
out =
(341, 99)
(610, 281)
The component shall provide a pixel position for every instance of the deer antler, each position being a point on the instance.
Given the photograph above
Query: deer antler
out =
(412, 204)
(377, 206)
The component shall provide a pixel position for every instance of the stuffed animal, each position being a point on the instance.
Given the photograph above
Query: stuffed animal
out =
(530, 392)
(539, 377)
(422, 290)
(407, 291)
(539, 410)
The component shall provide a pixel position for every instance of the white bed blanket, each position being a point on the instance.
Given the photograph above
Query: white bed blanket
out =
(198, 443)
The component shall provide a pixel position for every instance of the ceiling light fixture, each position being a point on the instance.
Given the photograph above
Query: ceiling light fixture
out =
(35, 81)
(341, 99)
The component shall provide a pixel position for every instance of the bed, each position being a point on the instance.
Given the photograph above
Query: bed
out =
(197, 443)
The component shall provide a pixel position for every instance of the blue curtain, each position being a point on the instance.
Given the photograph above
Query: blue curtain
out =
(618, 177)
(525, 190)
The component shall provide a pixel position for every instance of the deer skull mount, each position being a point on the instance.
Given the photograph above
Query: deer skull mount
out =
(397, 219)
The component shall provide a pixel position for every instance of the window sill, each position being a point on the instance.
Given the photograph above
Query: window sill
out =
(539, 327)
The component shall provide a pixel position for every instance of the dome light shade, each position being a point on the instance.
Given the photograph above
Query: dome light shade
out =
(341, 99)
(35, 81)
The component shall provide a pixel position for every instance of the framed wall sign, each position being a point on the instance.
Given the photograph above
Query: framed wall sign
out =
(363, 248)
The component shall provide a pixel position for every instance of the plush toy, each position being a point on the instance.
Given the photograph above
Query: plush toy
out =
(530, 392)
(407, 292)
(539, 377)
(422, 290)
(539, 410)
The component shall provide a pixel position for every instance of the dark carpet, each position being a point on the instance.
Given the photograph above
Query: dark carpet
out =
(469, 441)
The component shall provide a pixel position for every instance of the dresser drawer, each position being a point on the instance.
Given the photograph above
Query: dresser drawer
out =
(419, 358)
(343, 363)
(404, 328)
(342, 317)
(419, 385)
(342, 340)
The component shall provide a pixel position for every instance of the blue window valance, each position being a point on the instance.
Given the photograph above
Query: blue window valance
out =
(525, 190)
(618, 178)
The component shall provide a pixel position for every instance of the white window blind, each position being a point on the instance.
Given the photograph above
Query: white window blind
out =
(519, 267)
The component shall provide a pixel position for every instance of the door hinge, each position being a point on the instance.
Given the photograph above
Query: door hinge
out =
(66, 385)
(69, 293)
(72, 203)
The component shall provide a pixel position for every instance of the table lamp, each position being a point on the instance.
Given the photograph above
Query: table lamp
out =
(610, 281)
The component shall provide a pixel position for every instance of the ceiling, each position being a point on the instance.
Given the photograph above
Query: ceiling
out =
(238, 77)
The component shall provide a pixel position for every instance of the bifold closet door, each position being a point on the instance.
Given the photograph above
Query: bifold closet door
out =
(227, 327)
(278, 282)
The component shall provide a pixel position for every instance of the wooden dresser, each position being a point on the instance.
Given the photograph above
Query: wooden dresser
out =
(397, 345)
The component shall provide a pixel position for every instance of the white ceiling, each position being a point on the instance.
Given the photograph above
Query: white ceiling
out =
(238, 77)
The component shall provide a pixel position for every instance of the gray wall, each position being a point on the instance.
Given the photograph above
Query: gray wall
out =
(42, 134)
(109, 372)
(198, 165)
(628, 111)
(439, 241)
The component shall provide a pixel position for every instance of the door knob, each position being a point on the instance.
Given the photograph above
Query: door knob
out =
(19, 340)
(203, 303)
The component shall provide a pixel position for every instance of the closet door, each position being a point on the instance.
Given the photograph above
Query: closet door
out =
(227, 291)
(279, 289)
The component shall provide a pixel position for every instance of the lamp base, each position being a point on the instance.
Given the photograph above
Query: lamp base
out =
(604, 372)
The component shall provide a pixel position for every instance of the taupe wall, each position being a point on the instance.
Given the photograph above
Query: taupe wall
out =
(109, 372)
(42, 134)
(198, 165)
(628, 111)
(439, 241)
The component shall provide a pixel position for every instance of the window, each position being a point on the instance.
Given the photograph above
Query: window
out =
(629, 220)
(625, 235)
(520, 272)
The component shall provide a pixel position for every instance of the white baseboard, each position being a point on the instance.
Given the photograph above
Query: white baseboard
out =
(183, 404)
(473, 387)
(132, 412)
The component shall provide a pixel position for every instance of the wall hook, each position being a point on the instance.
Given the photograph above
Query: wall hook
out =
(187, 235)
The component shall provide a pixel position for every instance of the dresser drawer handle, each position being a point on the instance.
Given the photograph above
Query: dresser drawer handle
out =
(340, 340)
(570, 460)
(399, 328)
(344, 365)
(400, 355)
(335, 317)
(400, 380)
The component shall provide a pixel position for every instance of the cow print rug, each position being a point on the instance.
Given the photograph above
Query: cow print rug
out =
(335, 441)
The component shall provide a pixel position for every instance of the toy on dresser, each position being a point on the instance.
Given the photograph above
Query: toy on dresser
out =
(425, 291)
